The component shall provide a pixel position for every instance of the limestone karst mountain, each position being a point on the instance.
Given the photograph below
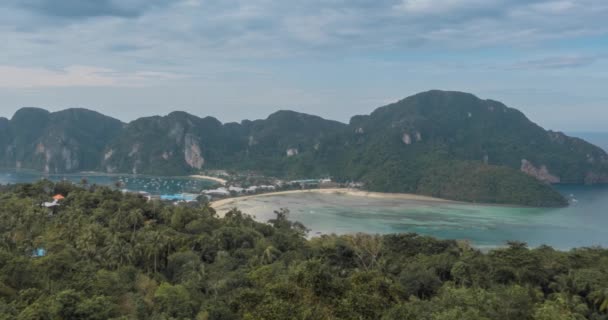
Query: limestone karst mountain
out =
(446, 144)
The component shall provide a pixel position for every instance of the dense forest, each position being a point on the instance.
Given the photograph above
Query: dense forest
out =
(103, 254)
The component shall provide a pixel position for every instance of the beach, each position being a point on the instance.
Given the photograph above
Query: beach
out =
(230, 202)
(216, 179)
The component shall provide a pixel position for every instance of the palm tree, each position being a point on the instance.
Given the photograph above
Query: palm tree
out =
(87, 243)
(117, 252)
(155, 247)
(7, 242)
(600, 299)
(134, 218)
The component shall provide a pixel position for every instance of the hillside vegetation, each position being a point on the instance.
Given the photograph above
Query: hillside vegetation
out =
(111, 255)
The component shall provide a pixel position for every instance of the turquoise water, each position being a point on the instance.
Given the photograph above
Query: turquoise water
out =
(151, 184)
(582, 224)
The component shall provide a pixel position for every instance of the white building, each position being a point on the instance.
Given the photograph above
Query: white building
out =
(217, 192)
(236, 189)
(55, 203)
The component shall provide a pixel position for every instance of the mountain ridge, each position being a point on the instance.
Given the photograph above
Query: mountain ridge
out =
(429, 143)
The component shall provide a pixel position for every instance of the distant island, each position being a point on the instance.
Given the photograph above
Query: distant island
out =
(449, 145)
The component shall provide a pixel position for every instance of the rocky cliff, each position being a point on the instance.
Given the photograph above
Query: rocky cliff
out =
(65, 141)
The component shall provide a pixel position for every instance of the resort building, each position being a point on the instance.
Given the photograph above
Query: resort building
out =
(221, 192)
(236, 189)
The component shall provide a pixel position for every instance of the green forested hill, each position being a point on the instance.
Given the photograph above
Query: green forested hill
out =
(176, 144)
(181, 143)
(436, 141)
(64, 141)
(286, 143)
(468, 128)
(109, 255)
(430, 143)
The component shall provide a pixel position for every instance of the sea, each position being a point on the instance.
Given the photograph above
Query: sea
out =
(582, 224)
(152, 184)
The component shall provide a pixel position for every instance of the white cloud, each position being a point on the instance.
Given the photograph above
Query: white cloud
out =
(184, 33)
(262, 48)
(441, 6)
(76, 76)
(557, 62)
(554, 7)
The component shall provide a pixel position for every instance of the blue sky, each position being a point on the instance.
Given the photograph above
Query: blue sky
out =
(243, 59)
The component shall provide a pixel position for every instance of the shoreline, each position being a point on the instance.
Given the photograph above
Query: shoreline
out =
(112, 174)
(203, 177)
(335, 191)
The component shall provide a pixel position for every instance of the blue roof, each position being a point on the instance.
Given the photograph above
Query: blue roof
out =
(40, 252)
(178, 197)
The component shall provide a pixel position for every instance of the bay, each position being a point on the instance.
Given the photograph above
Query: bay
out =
(152, 184)
(579, 225)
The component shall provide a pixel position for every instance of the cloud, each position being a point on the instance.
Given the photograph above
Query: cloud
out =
(560, 62)
(76, 9)
(435, 7)
(77, 76)
(271, 44)
(114, 33)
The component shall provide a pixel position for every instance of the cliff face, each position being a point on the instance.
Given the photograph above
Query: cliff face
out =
(5, 142)
(541, 174)
(181, 143)
(65, 141)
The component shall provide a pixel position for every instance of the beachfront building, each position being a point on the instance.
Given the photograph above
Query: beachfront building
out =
(219, 192)
(252, 189)
(306, 183)
(237, 190)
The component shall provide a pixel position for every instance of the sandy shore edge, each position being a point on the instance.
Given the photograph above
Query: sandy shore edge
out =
(337, 191)
(218, 180)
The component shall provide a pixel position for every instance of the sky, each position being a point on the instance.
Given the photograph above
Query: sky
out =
(244, 59)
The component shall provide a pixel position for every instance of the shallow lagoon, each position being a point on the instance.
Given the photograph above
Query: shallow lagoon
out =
(582, 224)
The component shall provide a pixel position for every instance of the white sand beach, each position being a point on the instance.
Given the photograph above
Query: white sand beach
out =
(216, 179)
(231, 202)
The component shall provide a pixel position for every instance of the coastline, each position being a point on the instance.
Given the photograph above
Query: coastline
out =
(203, 177)
(336, 191)
(84, 174)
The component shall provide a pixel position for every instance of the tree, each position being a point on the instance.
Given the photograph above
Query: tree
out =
(174, 301)
(117, 252)
(367, 248)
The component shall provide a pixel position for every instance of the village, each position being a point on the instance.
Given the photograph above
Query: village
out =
(238, 186)
(224, 185)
